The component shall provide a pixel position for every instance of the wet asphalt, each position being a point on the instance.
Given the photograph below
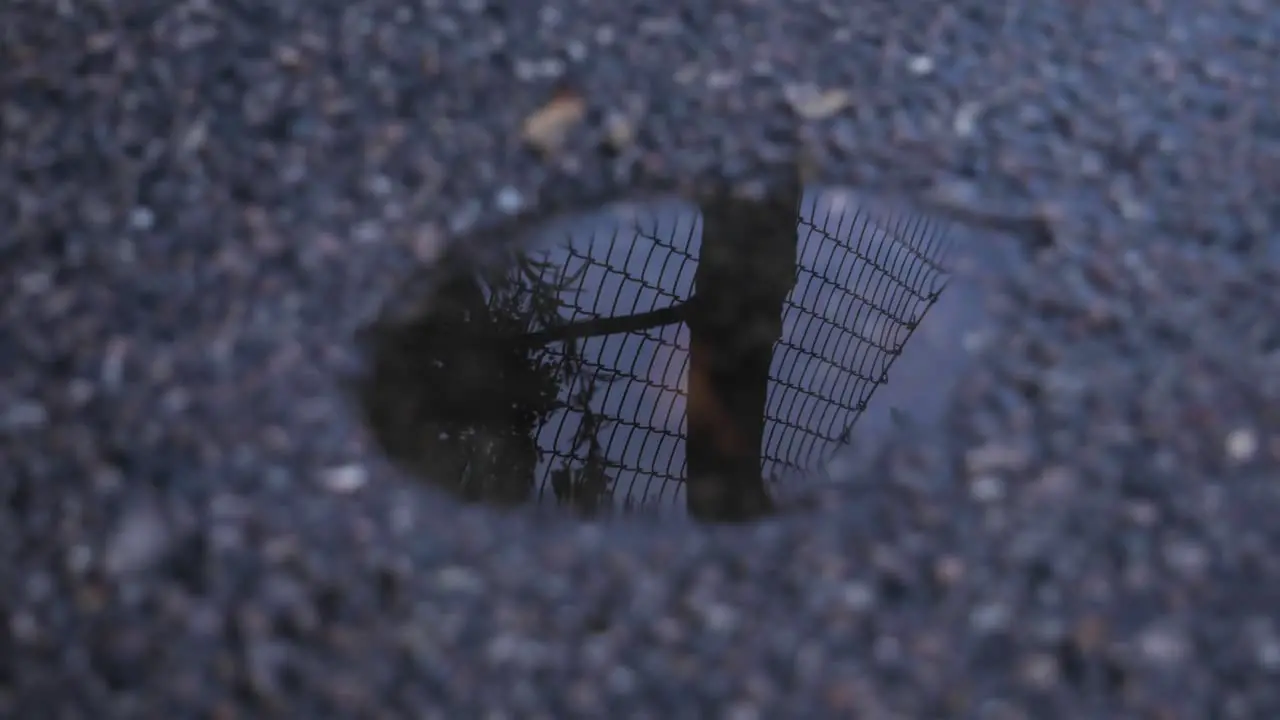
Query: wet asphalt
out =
(203, 202)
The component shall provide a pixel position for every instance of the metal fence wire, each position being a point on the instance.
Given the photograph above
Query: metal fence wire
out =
(865, 277)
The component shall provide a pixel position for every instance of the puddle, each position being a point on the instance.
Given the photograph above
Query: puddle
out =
(675, 359)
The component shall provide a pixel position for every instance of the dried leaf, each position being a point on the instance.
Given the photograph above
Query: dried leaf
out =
(813, 104)
(549, 127)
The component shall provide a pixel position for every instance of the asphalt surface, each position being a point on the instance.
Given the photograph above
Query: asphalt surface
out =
(202, 202)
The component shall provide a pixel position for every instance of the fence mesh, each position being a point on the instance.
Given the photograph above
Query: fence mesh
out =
(864, 279)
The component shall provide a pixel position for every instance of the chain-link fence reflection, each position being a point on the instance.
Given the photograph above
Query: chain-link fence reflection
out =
(862, 281)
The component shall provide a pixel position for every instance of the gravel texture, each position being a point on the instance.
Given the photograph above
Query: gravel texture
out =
(203, 201)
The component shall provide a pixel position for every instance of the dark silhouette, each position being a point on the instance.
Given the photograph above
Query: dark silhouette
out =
(451, 395)
(746, 270)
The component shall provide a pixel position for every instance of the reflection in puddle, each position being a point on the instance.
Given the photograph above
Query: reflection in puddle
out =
(692, 358)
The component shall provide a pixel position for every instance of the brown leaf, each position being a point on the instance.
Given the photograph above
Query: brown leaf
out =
(811, 103)
(548, 128)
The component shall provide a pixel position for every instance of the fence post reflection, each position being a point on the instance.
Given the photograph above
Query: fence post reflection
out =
(746, 269)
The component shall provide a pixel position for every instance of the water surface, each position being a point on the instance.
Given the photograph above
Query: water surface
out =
(676, 358)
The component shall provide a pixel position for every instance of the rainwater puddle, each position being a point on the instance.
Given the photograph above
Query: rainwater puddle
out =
(685, 360)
